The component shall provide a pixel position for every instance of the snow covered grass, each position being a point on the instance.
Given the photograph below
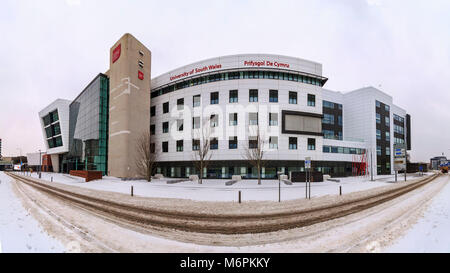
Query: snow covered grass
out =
(216, 190)
(432, 232)
(19, 231)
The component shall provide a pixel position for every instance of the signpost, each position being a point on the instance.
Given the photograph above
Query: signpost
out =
(308, 177)
(399, 158)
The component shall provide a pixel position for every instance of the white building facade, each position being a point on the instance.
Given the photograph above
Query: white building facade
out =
(229, 99)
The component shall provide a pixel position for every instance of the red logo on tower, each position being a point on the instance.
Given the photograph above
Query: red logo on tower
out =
(116, 53)
(140, 75)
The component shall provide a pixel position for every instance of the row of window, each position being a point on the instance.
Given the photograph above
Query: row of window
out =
(386, 120)
(343, 150)
(399, 140)
(238, 75)
(399, 118)
(214, 122)
(234, 98)
(330, 134)
(233, 144)
(387, 135)
(329, 119)
(331, 105)
(378, 105)
(399, 129)
(55, 142)
(387, 151)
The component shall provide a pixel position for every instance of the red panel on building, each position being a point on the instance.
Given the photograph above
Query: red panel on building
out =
(116, 53)
(141, 75)
(47, 163)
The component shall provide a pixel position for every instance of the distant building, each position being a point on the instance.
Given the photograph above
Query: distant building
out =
(436, 161)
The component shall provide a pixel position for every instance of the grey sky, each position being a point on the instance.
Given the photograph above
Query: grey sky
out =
(53, 49)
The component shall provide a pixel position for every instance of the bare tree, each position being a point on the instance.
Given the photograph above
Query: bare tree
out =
(203, 154)
(145, 156)
(254, 152)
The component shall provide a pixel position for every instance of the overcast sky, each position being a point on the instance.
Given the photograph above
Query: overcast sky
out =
(53, 49)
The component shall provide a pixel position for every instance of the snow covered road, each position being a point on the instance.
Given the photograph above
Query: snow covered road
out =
(19, 231)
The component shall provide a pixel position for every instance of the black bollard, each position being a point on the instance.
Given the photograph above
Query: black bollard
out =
(132, 191)
(239, 197)
(340, 190)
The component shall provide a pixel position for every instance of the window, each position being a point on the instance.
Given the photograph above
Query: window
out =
(386, 121)
(152, 111)
(165, 126)
(195, 144)
(311, 144)
(152, 129)
(180, 124)
(56, 129)
(273, 95)
(180, 104)
(214, 120)
(328, 134)
(378, 118)
(252, 143)
(166, 108)
(196, 101)
(311, 100)
(328, 119)
(179, 145)
(232, 142)
(292, 97)
(233, 119)
(388, 137)
(215, 98)
(253, 95)
(340, 120)
(386, 108)
(340, 106)
(47, 120)
(54, 116)
(214, 144)
(292, 143)
(58, 141)
(326, 149)
(273, 119)
(273, 142)
(388, 151)
(378, 134)
(233, 96)
(378, 104)
(195, 122)
(165, 147)
(328, 104)
(48, 131)
(253, 118)
(388, 167)
(378, 150)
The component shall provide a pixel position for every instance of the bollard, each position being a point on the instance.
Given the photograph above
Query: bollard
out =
(131, 190)
(51, 179)
(239, 197)
(340, 190)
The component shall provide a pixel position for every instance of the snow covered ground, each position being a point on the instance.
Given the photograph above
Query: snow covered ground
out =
(19, 231)
(432, 231)
(215, 189)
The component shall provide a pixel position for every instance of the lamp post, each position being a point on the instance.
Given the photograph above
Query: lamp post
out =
(279, 186)
(40, 163)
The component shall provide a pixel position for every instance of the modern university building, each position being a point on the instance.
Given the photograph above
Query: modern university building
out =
(228, 100)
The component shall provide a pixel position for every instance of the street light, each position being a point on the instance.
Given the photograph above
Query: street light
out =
(279, 186)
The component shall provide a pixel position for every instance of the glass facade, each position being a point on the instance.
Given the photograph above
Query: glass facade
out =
(88, 128)
(275, 75)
